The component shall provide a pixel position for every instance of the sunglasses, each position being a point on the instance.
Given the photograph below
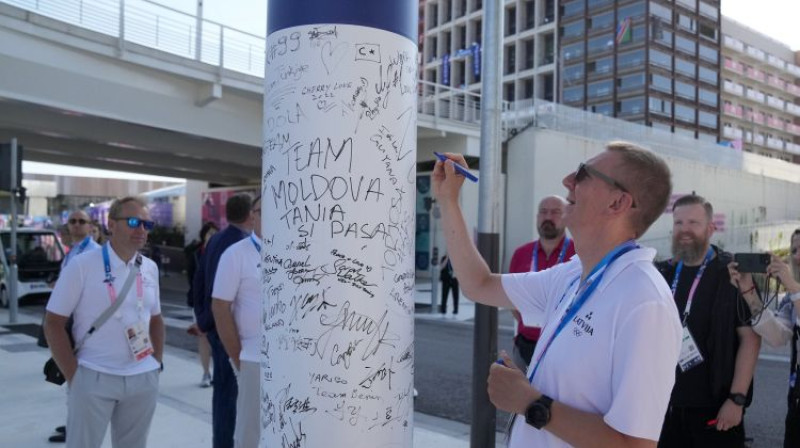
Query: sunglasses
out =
(74, 221)
(134, 223)
(584, 171)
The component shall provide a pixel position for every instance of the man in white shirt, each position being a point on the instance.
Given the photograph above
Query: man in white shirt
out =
(603, 370)
(236, 305)
(114, 376)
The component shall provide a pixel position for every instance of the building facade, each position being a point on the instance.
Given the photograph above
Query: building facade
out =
(760, 93)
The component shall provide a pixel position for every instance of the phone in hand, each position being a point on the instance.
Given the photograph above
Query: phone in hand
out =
(752, 262)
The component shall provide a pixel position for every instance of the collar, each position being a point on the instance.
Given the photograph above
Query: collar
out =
(556, 248)
(641, 254)
(116, 261)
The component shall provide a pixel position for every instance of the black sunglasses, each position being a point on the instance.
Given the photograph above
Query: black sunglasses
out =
(585, 171)
(80, 221)
(134, 223)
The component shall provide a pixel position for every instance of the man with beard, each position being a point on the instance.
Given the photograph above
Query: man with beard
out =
(714, 374)
(552, 247)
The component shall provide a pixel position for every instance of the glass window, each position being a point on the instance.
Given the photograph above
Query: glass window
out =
(600, 66)
(708, 75)
(601, 21)
(709, 54)
(630, 59)
(573, 51)
(632, 12)
(708, 10)
(660, 59)
(598, 89)
(630, 106)
(707, 119)
(684, 90)
(708, 32)
(573, 94)
(708, 97)
(573, 72)
(574, 29)
(600, 44)
(573, 8)
(660, 107)
(684, 67)
(593, 4)
(630, 82)
(661, 11)
(602, 108)
(662, 36)
(687, 23)
(685, 45)
(684, 113)
(661, 83)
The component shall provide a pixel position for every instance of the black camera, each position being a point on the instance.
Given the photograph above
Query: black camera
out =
(754, 263)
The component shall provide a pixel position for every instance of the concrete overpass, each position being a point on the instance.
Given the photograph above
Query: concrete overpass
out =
(91, 87)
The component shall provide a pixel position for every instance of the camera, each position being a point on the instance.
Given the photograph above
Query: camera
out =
(754, 263)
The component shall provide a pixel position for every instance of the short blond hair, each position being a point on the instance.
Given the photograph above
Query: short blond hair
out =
(116, 206)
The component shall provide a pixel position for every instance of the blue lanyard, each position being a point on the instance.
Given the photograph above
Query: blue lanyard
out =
(107, 265)
(535, 256)
(77, 250)
(255, 243)
(693, 289)
(582, 295)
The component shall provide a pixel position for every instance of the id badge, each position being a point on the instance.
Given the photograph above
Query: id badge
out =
(690, 354)
(139, 341)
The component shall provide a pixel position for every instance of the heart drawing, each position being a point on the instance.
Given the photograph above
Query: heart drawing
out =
(332, 55)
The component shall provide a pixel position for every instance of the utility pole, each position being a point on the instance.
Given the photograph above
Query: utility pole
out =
(13, 300)
(484, 415)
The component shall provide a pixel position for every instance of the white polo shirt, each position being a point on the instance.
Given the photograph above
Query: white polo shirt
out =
(617, 356)
(237, 281)
(81, 291)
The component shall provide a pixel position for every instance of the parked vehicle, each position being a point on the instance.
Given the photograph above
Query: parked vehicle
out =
(39, 256)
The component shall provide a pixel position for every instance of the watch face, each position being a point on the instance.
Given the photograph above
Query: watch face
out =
(537, 415)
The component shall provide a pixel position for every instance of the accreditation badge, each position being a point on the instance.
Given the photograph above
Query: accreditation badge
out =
(139, 341)
(690, 354)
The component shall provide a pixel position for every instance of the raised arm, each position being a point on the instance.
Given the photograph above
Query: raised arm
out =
(475, 279)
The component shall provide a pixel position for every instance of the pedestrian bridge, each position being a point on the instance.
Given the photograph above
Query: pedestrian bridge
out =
(137, 86)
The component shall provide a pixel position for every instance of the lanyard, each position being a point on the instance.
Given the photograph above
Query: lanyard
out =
(109, 281)
(78, 250)
(582, 295)
(696, 282)
(535, 256)
(255, 243)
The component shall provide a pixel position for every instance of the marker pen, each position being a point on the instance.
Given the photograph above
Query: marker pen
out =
(458, 167)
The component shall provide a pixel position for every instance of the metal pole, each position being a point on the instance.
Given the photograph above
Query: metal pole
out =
(121, 37)
(13, 301)
(435, 268)
(484, 416)
(198, 45)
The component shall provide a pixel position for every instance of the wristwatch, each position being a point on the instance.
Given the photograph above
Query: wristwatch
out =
(738, 399)
(538, 412)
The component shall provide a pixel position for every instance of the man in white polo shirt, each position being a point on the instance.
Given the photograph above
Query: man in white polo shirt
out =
(114, 376)
(237, 312)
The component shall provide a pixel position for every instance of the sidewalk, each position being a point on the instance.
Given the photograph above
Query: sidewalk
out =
(31, 408)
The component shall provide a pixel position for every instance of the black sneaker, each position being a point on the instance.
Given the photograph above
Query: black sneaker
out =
(61, 429)
(59, 437)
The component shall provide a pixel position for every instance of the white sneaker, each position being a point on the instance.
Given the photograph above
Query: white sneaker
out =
(206, 381)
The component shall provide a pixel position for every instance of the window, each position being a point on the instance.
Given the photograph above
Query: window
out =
(508, 91)
(687, 23)
(594, 4)
(684, 90)
(708, 75)
(632, 12)
(684, 113)
(528, 88)
(685, 67)
(661, 83)
(708, 10)
(708, 97)
(600, 66)
(630, 82)
(637, 35)
(572, 8)
(573, 94)
(660, 59)
(511, 21)
(630, 59)
(630, 106)
(549, 49)
(573, 51)
(708, 32)
(602, 109)
(571, 30)
(685, 45)
(661, 107)
(573, 72)
(530, 14)
(601, 21)
(510, 59)
(662, 36)
(662, 12)
(599, 89)
(707, 119)
(600, 44)
(709, 54)
(528, 54)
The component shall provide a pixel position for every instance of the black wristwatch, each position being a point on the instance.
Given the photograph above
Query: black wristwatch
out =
(538, 412)
(738, 399)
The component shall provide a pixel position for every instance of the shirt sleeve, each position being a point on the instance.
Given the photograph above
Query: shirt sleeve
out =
(67, 291)
(776, 328)
(645, 353)
(528, 292)
(226, 281)
(521, 260)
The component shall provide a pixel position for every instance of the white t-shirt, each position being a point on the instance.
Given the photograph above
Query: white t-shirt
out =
(78, 249)
(81, 291)
(237, 281)
(617, 356)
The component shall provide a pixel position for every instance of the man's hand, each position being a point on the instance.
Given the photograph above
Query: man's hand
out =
(509, 388)
(446, 181)
(729, 415)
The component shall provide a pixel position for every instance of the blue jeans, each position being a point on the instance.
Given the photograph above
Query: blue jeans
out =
(223, 403)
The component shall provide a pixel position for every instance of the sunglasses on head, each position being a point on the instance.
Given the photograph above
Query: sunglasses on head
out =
(585, 171)
(80, 221)
(134, 223)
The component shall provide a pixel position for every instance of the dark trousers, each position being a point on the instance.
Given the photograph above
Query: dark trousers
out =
(223, 402)
(449, 283)
(686, 427)
(791, 438)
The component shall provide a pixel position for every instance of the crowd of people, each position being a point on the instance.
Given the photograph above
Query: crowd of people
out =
(611, 349)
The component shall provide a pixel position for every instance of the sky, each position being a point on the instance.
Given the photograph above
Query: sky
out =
(775, 18)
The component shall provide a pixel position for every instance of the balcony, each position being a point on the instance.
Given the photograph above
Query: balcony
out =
(793, 129)
(755, 95)
(793, 109)
(793, 69)
(733, 43)
(774, 123)
(755, 53)
(757, 75)
(776, 103)
(733, 110)
(734, 66)
(758, 140)
(732, 133)
(776, 82)
(757, 118)
(776, 62)
(793, 148)
(774, 143)
(735, 89)
(793, 89)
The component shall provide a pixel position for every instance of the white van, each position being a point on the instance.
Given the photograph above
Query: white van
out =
(39, 256)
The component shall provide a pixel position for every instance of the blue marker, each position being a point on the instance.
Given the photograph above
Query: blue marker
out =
(500, 361)
(458, 167)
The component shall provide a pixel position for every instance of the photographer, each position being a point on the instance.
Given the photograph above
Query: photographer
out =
(778, 328)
